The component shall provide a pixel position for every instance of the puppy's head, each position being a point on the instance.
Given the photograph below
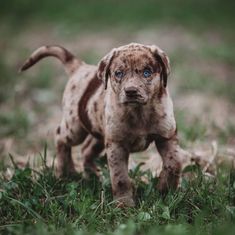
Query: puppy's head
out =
(136, 72)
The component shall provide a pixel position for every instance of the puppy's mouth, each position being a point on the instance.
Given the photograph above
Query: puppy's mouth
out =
(138, 100)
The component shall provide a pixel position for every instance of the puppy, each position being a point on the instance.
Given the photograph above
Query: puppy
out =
(122, 105)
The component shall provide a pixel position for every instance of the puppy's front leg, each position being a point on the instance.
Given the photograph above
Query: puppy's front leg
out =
(172, 163)
(117, 156)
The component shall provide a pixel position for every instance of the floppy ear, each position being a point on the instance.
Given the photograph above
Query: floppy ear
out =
(103, 71)
(164, 62)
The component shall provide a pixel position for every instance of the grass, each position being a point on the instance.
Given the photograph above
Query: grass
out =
(14, 123)
(189, 133)
(80, 14)
(6, 81)
(35, 202)
(192, 80)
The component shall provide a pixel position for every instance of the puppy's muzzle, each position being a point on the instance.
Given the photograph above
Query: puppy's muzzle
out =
(131, 92)
(133, 95)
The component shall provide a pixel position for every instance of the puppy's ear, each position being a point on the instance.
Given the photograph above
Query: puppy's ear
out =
(103, 71)
(164, 62)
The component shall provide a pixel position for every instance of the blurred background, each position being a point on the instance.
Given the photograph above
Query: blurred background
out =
(197, 35)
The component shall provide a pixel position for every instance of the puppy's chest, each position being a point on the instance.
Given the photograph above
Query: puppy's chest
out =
(139, 143)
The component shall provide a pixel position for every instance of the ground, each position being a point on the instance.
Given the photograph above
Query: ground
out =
(200, 45)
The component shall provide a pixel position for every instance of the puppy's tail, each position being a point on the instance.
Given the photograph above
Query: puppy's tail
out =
(70, 62)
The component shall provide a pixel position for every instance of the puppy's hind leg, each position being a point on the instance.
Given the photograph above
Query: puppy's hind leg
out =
(90, 149)
(65, 139)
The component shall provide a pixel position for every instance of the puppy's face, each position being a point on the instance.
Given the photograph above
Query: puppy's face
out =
(136, 72)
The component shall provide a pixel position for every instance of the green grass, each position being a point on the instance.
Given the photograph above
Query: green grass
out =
(6, 80)
(15, 123)
(35, 202)
(222, 53)
(110, 13)
(189, 132)
(193, 80)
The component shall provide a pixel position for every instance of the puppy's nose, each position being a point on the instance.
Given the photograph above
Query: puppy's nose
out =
(131, 91)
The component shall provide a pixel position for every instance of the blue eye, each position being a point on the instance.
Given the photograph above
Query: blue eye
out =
(119, 74)
(147, 73)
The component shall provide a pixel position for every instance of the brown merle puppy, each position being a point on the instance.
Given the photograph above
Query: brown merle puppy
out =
(122, 105)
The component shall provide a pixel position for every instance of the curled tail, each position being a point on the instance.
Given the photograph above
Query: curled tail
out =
(70, 62)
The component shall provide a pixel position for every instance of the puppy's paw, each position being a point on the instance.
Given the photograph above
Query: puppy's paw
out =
(163, 187)
(92, 170)
(167, 182)
(125, 201)
(65, 172)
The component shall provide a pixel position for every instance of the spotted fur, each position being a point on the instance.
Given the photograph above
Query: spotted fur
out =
(122, 115)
